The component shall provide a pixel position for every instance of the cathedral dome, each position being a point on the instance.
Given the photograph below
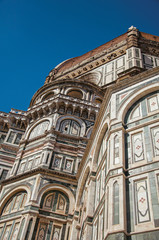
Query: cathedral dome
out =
(73, 63)
(78, 67)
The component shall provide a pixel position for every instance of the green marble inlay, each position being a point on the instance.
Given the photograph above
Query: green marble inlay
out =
(148, 148)
(8, 216)
(143, 168)
(48, 236)
(21, 228)
(31, 208)
(28, 229)
(129, 206)
(154, 197)
(51, 214)
(3, 229)
(116, 203)
(145, 236)
(11, 229)
(117, 236)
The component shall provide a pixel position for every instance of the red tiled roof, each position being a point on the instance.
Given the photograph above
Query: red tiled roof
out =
(149, 36)
(74, 61)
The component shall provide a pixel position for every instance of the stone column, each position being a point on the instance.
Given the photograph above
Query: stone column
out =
(89, 209)
(88, 232)
(74, 230)
(91, 197)
(25, 227)
(32, 227)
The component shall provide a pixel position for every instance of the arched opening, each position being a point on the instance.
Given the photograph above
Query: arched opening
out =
(92, 116)
(62, 108)
(54, 204)
(98, 101)
(48, 96)
(137, 142)
(39, 129)
(93, 77)
(70, 127)
(85, 113)
(69, 109)
(89, 132)
(116, 203)
(141, 148)
(77, 112)
(15, 203)
(80, 195)
(55, 201)
(101, 145)
(13, 207)
(75, 94)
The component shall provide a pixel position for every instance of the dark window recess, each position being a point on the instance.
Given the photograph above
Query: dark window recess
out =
(68, 233)
(47, 158)
(14, 138)
(29, 228)
(2, 138)
(70, 127)
(4, 174)
(18, 138)
(10, 138)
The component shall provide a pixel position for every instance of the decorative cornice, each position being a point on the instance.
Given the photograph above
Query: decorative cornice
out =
(40, 170)
(61, 83)
(91, 64)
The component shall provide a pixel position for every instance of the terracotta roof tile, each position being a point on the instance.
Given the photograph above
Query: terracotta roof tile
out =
(74, 61)
(149, 36)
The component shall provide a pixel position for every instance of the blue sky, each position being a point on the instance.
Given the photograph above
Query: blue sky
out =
(36, 35)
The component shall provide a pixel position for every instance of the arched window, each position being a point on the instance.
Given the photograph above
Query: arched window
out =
(136, 112)
(49, 200)
(116, 203)
(16, 203)
(39, 129)
(103, 147)
(48, 96)
(62, 108)
(85, 114)
(144, 107)
(56, 233)
(142, 144)
(42, 231)
(61, 203)
(116, 149)
(75, 94)
(11, 227)
(54, 204)
(70, 127)
(98, 100)
(77, 112)
(55, 201)
(69, 110)
(92, 116)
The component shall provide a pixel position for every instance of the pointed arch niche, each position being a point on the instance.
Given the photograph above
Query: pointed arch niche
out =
(101, 145)
(140, 132)
(14, 206)
(39, 129)
(54, 204)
